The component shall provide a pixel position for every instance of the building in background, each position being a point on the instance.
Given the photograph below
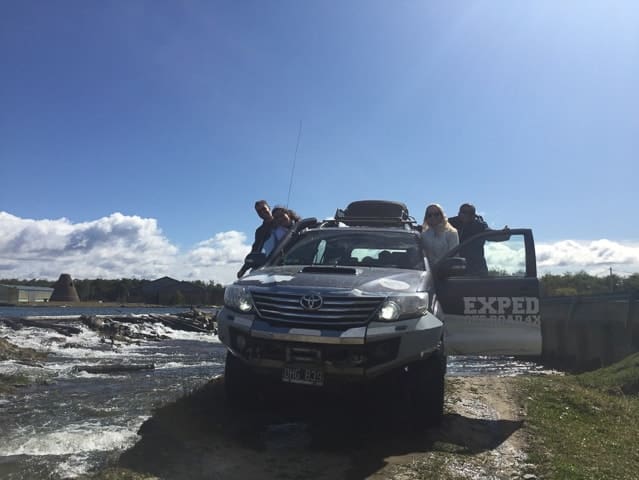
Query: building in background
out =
(168, 291)
(15, 294)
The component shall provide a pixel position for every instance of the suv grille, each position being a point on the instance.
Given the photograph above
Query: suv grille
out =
(336, 311)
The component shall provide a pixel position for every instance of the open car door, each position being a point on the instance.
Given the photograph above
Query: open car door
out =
(490, 296)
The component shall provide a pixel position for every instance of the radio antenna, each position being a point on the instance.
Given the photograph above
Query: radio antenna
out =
(290, 185)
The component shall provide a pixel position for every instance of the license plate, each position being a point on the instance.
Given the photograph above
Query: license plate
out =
(305, 376)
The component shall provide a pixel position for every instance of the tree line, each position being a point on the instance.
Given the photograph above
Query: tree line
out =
(131, 290)
(582, 283)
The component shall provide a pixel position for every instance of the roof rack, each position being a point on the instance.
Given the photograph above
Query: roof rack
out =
(376, 213)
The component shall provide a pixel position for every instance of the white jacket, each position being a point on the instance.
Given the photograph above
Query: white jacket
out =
(437, 242)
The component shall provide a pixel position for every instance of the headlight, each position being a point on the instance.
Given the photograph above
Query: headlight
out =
(238, 298)
(403, 306)
(390, 311)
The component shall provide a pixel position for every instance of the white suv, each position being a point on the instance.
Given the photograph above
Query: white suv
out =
(353, 298)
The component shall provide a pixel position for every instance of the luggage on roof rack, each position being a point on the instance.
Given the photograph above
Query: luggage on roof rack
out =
(375, 213)
(377, 208)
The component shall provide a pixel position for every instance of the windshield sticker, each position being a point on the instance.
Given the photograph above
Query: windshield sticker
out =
(393, 284)
(513, 309)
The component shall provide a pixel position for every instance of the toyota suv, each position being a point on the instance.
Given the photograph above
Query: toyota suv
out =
(353, 298)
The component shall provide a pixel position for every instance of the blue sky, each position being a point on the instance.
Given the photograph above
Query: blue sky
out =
(154, 126)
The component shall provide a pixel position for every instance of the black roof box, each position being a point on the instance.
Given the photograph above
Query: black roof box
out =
(375, 213)
(377, 209)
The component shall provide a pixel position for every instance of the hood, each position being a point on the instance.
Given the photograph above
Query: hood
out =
(364, 279)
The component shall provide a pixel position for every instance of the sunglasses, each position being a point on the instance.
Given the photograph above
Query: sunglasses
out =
(434, 214)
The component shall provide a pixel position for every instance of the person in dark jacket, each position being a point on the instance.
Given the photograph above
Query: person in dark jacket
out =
(468, 223)
(262, 233)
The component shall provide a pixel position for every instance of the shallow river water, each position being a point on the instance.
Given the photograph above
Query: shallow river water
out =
(70, 422)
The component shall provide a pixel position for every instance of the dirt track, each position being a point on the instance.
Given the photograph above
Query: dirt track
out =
(341, 438)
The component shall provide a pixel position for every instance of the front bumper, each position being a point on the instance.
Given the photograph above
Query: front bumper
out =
(356, 353)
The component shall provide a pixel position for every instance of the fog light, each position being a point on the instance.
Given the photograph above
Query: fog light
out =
(381, 351)
(357, 359)
(384, 351)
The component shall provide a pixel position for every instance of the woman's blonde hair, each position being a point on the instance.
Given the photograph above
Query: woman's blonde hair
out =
(444, 225)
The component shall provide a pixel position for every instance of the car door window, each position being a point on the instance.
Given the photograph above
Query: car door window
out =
(497, 256)
(506, 258)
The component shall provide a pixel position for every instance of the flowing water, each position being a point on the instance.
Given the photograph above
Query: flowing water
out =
(69, 422)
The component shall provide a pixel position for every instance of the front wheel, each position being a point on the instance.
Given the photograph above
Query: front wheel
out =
(427, 395)
(239, 381)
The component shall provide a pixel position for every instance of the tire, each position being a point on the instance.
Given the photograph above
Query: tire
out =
(427, 392)
(239, 382)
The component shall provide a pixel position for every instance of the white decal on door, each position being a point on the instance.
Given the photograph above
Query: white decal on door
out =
(509, 309)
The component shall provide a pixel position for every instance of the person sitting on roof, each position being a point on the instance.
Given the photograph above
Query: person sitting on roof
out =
(284, 220)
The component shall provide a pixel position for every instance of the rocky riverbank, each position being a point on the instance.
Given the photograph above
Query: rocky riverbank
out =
(25, 356)
(9, 351)
(114, 331)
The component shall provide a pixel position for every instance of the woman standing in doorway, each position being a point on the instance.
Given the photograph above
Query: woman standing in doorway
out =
(438, 236)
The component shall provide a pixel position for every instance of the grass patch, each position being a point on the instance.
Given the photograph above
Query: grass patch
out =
(620, 378)
(584, 426)
(429, 466)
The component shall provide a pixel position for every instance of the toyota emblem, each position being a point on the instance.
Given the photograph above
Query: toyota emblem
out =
(311, 301)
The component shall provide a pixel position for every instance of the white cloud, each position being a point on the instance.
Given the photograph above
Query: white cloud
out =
(121, 246)
(218, 258)
(117, 246)
(594, 257)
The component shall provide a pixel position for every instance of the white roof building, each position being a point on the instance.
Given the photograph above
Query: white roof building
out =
(14, 294)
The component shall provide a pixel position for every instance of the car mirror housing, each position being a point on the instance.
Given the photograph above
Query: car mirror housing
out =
(452, 266)
(255, 260)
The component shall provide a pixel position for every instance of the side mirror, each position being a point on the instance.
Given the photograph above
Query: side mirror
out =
(255, 260)
(451, 266)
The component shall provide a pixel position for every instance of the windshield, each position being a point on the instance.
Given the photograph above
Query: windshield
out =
(353, 248)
